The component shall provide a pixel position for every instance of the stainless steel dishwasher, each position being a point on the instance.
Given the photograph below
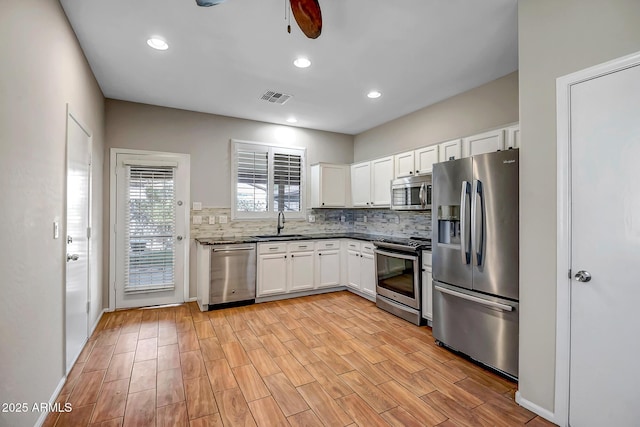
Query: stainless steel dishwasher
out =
(232, 274)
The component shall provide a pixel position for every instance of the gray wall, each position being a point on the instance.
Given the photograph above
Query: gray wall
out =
(42, 69)
(488, 106)
(206, 137)
(556, 38)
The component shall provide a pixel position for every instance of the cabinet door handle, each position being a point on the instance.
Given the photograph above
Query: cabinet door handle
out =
(417, 171)
(320, 254)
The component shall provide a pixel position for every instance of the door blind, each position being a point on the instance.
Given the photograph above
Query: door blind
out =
(150, 229)
(286, 182)
(253, 180)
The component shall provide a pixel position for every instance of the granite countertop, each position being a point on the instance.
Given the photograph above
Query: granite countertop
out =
(287, 237)
(311, 236)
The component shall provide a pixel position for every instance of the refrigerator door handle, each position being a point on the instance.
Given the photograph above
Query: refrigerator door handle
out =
(492, 304)
(477, 243)
(465, 249)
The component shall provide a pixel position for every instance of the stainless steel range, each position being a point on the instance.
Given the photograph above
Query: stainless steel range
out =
(398, 273)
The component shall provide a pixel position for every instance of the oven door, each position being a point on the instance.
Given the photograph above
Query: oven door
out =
(398, 277)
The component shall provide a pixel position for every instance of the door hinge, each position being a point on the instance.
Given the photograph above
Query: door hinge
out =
(88, 305)
(88, 232)
(569, 274)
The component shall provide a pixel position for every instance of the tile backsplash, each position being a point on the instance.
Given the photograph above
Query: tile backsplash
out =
(370, 221)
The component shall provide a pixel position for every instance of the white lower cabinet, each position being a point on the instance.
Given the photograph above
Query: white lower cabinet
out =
(361, 274)
(368, 274)
(272, 274)
(301, 271)
(353, 270)
(328, 264)
(427, 286)
(289, 267)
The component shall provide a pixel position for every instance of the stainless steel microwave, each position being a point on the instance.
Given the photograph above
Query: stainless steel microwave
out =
(411, 194)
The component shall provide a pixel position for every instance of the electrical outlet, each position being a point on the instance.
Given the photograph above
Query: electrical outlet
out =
(364, 218)
(197, 219)
(312, 218)
(343, 218)
(212, 220)
(197, 206)
(222, 219)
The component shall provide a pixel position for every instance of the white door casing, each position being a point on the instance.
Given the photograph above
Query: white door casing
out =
(78, 201)
(598, 200)
(120, 160)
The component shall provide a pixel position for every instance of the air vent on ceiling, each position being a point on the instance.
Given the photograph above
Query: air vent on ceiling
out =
(275, 97)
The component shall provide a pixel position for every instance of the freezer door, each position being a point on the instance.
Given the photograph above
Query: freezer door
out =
(451, 222)
(494, 229)
(484, 328)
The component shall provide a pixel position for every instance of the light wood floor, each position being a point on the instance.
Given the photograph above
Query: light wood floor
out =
(332, 359)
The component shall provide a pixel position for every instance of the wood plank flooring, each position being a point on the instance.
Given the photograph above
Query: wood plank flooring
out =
(326, 360)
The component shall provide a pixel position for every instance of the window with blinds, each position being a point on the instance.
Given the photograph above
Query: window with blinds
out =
(267, 180)
(287, 174)
(253, 181)
(150, 229)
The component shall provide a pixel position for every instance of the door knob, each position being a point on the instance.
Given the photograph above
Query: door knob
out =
(583, 276)
(179, 238)
(73, 257)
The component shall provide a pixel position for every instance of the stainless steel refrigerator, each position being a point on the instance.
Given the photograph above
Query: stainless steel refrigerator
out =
(475, 258)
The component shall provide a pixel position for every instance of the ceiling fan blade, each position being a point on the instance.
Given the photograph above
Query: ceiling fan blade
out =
(207, 3)
(308, 16)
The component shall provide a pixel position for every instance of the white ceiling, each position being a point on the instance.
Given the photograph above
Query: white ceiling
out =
(221, 59)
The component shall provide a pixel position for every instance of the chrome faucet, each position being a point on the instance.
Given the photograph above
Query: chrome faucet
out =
(280, 225)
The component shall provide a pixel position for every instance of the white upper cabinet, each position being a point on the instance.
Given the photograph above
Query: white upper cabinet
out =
(449, 150)
(361, 184)
(417, 162)
(381, 177)
(513, 136)
(371, 183)
(329, 185)
(487, 142)
(404, 164)
(425, 158)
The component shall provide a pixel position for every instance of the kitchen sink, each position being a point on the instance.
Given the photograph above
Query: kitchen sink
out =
(280, 236)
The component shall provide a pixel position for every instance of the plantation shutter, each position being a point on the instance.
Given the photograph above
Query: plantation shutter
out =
(287, 173)
(150, 228)
(253, 180)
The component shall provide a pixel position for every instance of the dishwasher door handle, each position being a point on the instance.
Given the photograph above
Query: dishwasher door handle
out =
(234, 249)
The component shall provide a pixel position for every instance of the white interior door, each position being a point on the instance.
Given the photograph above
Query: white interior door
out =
(77, 212)
(151, 229)
(605, 242)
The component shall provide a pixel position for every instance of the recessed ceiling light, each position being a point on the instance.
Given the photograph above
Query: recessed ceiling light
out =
(302, 62)
(374, 94)
(292, 120)
(157, 43)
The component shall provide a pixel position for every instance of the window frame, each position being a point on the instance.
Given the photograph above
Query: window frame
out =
(270, 149)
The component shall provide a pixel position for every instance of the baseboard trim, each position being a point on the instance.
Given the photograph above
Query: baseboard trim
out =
(192, 299)
(56, 392)
(95, 324)
(538, 410)
(43, 415)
